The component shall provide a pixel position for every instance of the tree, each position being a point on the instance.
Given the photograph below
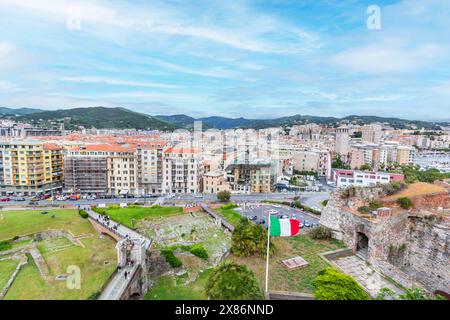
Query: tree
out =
(405, 203)
(338, 163)
(365, 167)
(249, 239)
(224, 196)
(330, 284)
(230, 281)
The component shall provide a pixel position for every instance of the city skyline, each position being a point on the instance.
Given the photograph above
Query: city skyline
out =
(311, 58)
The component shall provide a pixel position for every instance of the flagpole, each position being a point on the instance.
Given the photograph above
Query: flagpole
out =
(267, 256)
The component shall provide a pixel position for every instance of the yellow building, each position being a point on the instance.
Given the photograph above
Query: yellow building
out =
(30, 167)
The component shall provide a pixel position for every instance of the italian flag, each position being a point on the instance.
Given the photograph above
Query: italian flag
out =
(284, 227)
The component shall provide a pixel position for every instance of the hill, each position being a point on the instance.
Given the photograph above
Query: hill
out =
(228, 123)
(18, 112)
(97, 117)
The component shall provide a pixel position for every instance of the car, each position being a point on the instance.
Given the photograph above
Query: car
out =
(5, 199)
(294, 216)
(276, 206)
(198, 196)
(50, 199)
(308, 224)
(301, 225)
(284, 216)
(19, 199)
(253, 218)
(273, 212)
(34, 199)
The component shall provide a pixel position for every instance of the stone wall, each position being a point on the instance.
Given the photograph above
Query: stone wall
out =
(411, 248)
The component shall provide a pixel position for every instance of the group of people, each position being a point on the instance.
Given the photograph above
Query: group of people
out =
(106, 221)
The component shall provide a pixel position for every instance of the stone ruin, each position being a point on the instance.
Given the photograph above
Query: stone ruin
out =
(409, 246)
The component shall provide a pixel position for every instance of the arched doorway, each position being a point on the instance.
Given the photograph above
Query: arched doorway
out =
(362, 244)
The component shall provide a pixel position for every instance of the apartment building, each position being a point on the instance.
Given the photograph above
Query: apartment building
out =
(150, 167)
(314, 160)
(372, 133)
(101, 169)
(250, 177)
(346, 178)
(30, 167)
(214, 181)
(182, 170)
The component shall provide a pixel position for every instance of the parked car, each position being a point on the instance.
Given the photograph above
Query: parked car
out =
(19, 199)
(284, 216)
(253, 218)
(5, 199)
(273, 212)
(34, 199)
(301, 225)
(308, 224)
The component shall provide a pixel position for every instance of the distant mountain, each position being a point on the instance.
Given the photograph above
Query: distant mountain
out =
(121, 118)
(97, 117)
(18, 112)
(228, 123)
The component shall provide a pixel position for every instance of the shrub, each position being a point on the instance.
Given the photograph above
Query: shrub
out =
(325, 202)
(224, 196)
(230, 281)
(114, 206)
(174, 261)
(321, 233)
(298, 204)
(229, 206)
(5, 245)
(405, 203)
(364, 209)
(330, 284)
(83, 214)
(156, 206)
(95, 295)
(374, 204)
(199, 251)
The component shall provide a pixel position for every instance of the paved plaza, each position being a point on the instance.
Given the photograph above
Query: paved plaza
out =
(370, 279)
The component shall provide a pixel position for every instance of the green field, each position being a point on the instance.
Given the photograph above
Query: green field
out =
(127, 216)
(169, 288)
(96, 260)
(232, 216)
(7, 268)
(18, 223)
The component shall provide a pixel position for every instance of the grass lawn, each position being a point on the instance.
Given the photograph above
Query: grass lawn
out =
(7, 268)
(231, 215)
(166, 288)
(17, 223)
(96, 260)
(298, 280)
(126, 216)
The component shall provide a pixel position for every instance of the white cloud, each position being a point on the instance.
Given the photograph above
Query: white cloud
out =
(382, 58)
(112, 81)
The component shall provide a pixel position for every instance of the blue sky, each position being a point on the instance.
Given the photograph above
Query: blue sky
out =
(251, 58)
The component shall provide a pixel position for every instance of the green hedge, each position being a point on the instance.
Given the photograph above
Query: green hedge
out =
(83, 214)
(99, 210)
(171, 258)
(229, 206)
(5, 245)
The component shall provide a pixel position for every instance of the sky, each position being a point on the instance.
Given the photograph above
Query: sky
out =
(240, 58)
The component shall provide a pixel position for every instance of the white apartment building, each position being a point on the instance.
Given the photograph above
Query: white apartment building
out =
(346, 178)
(182, 170)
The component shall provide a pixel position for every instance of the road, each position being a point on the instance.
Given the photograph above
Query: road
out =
(312, 199)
